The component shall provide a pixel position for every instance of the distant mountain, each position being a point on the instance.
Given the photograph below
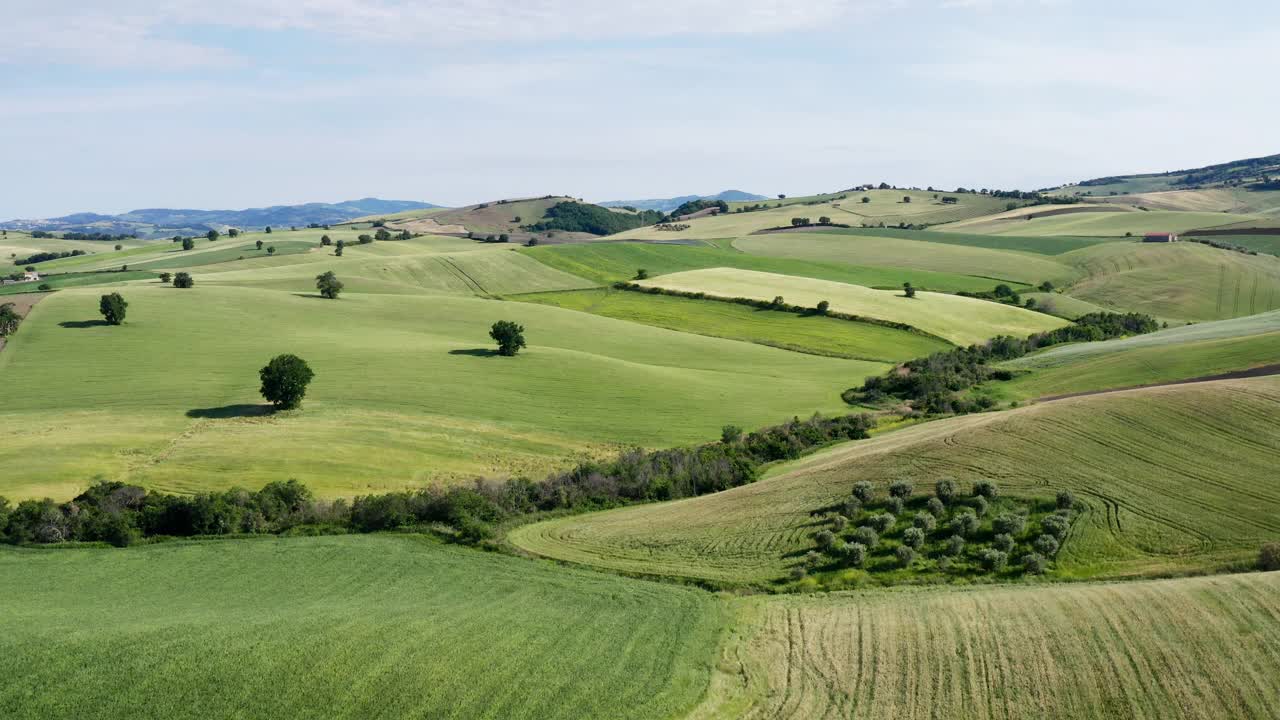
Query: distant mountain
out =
(165, 221)
(669, 204)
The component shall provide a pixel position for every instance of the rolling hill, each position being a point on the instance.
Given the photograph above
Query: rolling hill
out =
(666, 205)
(1175, 479)
(341, 627)
(958, 320)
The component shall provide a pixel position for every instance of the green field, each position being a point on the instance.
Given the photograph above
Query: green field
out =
(70, 280)
(1179, 282)
(956, 319)
(406, 393)
(1269, 244)
(996, 265)
(1191, 648)
(1175, 354)
(886, 207)
(1106, 224)
(1174, 479)
(609, 262)
(802, 333)
(1061, 304)
(1047, 245)
(341, 627)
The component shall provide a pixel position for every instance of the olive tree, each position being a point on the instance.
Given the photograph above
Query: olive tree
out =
(945, 490)
(965, 523)
(913, 536)
(867, 536)
(986, 489)
(1046, 545)
(864, 491)
(925, 521)
(901, 489)
(905, 555)
(1009, 524)
(855, 554)
(994, 560)
(1002, 542)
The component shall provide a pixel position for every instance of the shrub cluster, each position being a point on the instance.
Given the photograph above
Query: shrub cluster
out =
(121, 514)
(946, 533)
(932, 382)
(46, 256)
(572, 216)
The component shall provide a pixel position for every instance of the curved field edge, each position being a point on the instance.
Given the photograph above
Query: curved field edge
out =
(1191, 648)
(342, 627)
(1174, 480)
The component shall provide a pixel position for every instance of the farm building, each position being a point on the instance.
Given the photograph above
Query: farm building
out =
(1160, 237)
(31, 276)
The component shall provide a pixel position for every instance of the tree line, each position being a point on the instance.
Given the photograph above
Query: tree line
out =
(46, 256)
(121, 514)
(570, 216)
(932, 383)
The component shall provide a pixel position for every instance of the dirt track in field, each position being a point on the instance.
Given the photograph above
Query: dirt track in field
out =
(23, 302)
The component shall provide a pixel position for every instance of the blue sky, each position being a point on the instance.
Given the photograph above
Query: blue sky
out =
(114, 106)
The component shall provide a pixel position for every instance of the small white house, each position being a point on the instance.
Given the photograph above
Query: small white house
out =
(30, 276)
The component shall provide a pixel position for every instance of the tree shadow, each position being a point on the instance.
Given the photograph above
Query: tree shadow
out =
(313, 296)
(230, 411)
(475, 352)
(83, 323)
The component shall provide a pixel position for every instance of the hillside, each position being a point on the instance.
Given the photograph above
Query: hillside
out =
(1173, 478)
(1237, 172)
(1186, 648)
(352, 627)
(164, 222)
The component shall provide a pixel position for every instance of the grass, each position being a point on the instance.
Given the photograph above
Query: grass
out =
(225, 252)
(1176, 281)
(341, 627)
(1109, 224)
(1062, 305)
(1173, 479)
(1169, 355)
(607, 263)
(1037, 245)
(995, 265)
(472, 271)
(1269, 244)
(1190, 648)
(886, 207)
(956, 319)
(802, 333)
(406, 390)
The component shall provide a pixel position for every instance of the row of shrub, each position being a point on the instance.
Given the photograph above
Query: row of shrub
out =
(121, 514)
(931, 383)
(46, 256)
(778, 303)
(1222, 245)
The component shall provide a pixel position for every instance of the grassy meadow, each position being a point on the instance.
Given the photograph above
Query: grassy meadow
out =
(172, 399)
(813, 334)
(1199, 648)
(1104, 224)
(1170, 355)
(341, 627)
(956, 319)
(995, 265)
(1179, 282)
(607, 263)
(1174, 479)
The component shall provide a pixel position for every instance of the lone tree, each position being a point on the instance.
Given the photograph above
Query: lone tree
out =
(258, 244)
(232, 232)
(166, 278)
(271, 249)
(285, 380)
(267, 230)
(324, 240)
(9, 320)
(382, 235)
(642, 274)
(188, 243)
(329, 285)
(908, 290)
(337, 249)
(113, 308)
(183, 280)
(509, 336)
(822, 307)
(212, 235)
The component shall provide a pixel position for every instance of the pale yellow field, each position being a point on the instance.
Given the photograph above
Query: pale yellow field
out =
(1190, 648)
(957, 319)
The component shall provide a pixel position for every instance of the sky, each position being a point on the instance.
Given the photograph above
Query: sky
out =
(112, 106)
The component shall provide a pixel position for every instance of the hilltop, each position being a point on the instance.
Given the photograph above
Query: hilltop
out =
(1251, 171)
(666, 205)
